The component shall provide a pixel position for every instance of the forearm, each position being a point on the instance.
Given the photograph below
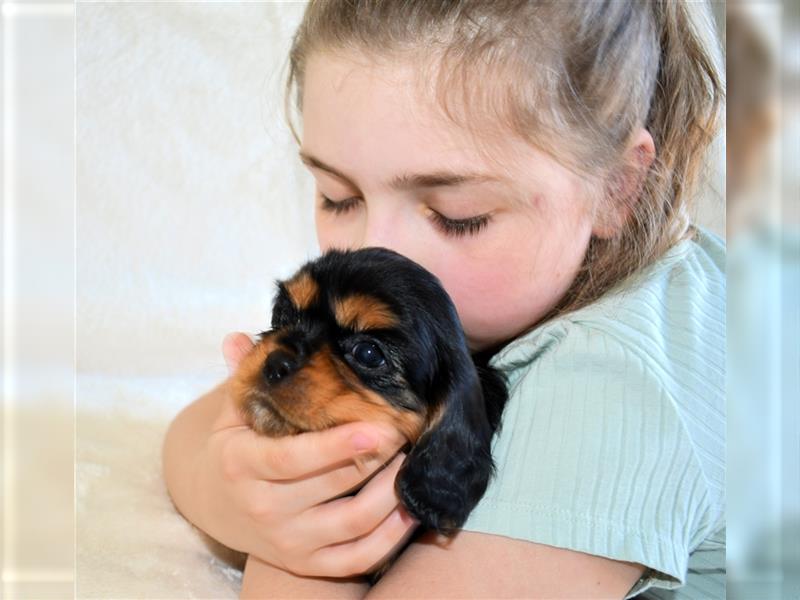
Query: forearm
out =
(183, 449)
(262, 580)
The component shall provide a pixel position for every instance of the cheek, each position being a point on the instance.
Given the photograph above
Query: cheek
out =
(493, 304)
(500, 305)
(506, 291)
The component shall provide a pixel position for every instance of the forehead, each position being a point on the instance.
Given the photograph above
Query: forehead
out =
(352, 107)
(347, 94)
(375, 120)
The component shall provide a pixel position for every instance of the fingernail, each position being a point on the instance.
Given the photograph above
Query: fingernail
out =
(362, 442)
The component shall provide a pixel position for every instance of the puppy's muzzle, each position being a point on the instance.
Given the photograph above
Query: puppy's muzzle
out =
(291, 382)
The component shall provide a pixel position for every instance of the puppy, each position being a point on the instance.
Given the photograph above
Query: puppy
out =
(369, 335)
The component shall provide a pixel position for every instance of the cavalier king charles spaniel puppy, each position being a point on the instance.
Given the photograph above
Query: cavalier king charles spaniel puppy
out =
(369, 335)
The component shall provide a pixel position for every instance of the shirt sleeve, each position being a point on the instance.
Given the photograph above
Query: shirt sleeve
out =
(592, 456)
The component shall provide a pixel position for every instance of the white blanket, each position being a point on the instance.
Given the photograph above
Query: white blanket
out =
(190, 203)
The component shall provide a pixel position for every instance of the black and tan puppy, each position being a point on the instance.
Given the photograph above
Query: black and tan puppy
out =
(369, 335)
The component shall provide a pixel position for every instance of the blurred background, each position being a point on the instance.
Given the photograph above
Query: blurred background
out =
(763, 226)
(37, 443)
(151, 194)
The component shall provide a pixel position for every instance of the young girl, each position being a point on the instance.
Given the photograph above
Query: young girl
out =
(539, 158)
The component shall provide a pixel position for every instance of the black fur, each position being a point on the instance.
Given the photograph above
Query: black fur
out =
(447, 471)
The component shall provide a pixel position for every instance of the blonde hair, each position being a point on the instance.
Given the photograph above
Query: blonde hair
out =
(575, 79)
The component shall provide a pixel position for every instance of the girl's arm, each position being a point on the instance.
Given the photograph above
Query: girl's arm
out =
(473, 565)
(269, 497)
(478, 565)
(262, 580)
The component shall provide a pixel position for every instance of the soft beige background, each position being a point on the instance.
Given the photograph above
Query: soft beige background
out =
(190, 202)
(36, 441)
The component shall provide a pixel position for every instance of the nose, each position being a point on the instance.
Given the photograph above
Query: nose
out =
(280, 364)
(387, 226)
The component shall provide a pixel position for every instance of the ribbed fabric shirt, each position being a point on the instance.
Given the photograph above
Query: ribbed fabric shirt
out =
(613, 439)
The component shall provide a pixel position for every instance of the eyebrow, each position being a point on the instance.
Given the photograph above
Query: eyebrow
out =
(438, 178)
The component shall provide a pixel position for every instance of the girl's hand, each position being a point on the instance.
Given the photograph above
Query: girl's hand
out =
(271, 497)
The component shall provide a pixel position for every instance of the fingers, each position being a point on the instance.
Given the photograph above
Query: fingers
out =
(235, 347)
(315, 453)
(360, 556)
(336, 482)
(355, 516)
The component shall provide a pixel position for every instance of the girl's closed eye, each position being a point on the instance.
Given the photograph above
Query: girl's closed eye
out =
(460, 227)
(449, 226)
(339, 207)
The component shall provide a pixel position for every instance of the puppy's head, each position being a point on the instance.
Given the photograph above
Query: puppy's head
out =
(369, 335)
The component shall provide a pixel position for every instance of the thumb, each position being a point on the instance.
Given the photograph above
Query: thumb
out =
(235, 347)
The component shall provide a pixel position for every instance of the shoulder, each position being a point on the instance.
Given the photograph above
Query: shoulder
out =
(612, 442)
(665, 325)
(681, 294)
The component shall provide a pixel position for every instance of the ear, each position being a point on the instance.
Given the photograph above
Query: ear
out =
(447, 471)
(624, 185)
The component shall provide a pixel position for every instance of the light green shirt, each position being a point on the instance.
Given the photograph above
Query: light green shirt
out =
(613, 439)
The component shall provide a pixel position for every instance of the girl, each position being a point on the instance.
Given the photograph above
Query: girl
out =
(539, 158)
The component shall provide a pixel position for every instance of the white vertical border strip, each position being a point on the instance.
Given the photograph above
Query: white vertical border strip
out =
(10, 575)
(9, 300)
(75, 300)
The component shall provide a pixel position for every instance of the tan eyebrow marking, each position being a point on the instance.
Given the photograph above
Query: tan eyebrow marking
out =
(302, 289)
(360, 312)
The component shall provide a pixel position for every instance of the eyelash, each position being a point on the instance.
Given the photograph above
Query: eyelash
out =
(339, 208)
(452, 227)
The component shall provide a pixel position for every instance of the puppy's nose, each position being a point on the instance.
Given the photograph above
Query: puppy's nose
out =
(279, 364)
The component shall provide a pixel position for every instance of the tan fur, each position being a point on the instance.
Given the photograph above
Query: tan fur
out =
(360, 313)
(302, 289)
(250, 392)
(324, 393)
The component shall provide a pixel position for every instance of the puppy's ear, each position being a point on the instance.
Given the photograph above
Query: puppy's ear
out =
(447, 471)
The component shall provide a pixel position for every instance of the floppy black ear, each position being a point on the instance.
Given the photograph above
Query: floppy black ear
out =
(446, 473)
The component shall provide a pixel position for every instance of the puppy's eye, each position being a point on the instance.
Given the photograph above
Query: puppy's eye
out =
(368, 355)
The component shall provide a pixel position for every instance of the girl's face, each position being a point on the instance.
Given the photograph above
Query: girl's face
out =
(505, 235)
